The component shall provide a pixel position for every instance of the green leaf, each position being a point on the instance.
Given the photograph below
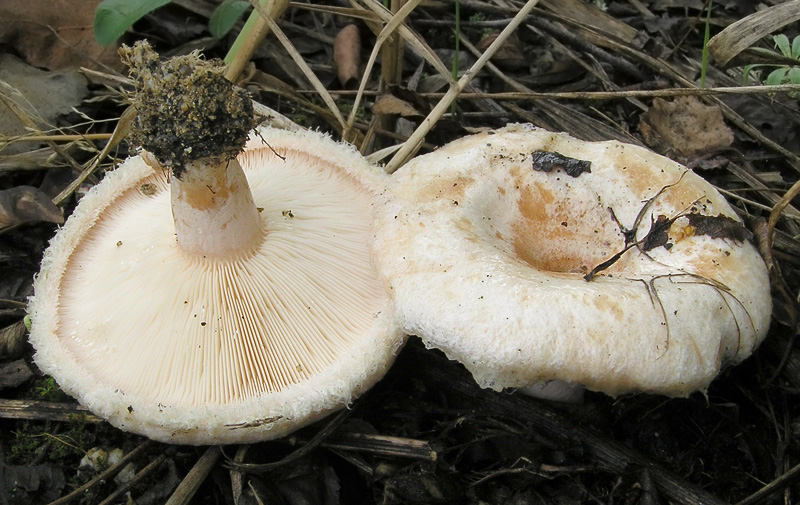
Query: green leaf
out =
(749, 71)
(796, 48)
(782, 43)
(776, 77)
(794, 75)
(113, 17)
(746, 70)
(226, 15)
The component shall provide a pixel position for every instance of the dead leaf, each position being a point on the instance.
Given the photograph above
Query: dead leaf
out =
(509, 56)
(14, 373)
(24, 204)
(761, 238)
(310, 484)
(38, 95)
(423, 488)
(391, 105)
(708, 163)
(685, 127)
(661, 23)
(719, 227)
(55, 35)
(31, 484)
(347, 55)
(161, 490)
(547, 161)
(12, 340)
(657, 236)
(432, 83)
(771, 119)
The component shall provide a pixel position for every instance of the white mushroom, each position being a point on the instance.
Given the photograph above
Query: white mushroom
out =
(194, 310)
(532, 256)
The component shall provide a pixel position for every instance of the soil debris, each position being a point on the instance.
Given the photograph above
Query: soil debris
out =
(186, 109)
(546, 161)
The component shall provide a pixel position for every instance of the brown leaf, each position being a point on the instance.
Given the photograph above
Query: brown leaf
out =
(14, 373)
(509, 56)
(390, 104)
(761, 238)
(30, 484)
(685, 127)
(719, 227)
(347, 54)
(38, 96)
(26, 203)
(12, 340)
(55, 35)
(657, 236)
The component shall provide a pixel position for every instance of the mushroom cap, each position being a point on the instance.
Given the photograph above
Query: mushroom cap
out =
(487, 254)
(188, 349)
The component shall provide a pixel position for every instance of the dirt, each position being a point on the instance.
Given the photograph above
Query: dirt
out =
(186, 109)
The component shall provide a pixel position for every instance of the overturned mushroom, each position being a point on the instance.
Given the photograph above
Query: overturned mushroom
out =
(229, 299)
(531, 256)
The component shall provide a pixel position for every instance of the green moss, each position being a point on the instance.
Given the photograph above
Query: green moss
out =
(75, 441)
(68, 441)
(22, 447)
(47, 390)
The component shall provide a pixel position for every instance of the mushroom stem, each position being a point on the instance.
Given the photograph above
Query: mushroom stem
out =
(194, 122)
(213, 209)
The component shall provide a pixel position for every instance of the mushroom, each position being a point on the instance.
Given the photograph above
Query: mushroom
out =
(531, 256)
(228, 299)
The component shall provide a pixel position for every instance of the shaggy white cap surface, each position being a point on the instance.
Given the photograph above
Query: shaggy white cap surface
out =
(486, 255)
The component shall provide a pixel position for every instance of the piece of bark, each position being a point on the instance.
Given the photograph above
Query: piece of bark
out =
(45, 411)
